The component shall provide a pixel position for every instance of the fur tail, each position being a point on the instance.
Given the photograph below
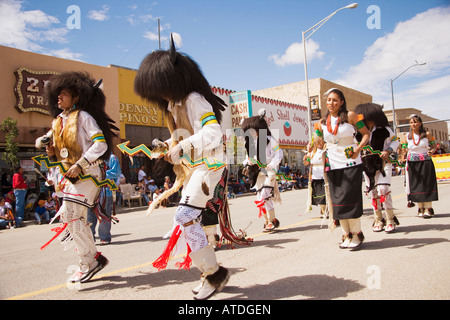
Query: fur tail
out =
(166, 194)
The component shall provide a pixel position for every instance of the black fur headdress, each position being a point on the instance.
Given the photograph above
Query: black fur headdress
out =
(170, 75)
(259, 124)
(372, 112)
(90, 99)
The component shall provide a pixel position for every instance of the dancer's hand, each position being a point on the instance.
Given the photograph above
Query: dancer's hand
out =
(73, 171)
(384, 155)
(173, 155)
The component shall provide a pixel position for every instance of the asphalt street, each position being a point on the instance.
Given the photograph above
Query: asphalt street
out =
(301, 260)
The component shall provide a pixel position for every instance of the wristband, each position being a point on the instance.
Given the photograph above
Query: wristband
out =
(360, 124)
(82, 163)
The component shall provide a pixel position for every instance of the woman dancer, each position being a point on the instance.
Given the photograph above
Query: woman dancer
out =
(343, 166)
(421, 183)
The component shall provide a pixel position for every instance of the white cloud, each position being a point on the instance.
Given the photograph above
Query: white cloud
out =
(66, 54)
(30, 30)
(153, 36)
(25, 29)
(295, 55)
(423, 38)
(431, 97)
(99, 15)
(164, 39)
(177, 39)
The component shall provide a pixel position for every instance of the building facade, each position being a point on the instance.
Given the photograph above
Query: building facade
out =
(24, 75)
(439, 129)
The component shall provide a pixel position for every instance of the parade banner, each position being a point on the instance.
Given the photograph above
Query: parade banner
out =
(442, 166)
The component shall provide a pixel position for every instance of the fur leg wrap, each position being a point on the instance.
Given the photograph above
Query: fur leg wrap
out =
(218, 278)
(215, 276)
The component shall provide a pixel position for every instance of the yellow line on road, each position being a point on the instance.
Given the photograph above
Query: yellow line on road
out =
(61, 286)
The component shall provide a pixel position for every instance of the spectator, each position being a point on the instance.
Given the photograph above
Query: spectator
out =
(6, 214)
(105, 209)
(439, 149)
(141, 187)
(40, 212)
(121, 180)
(152, 186)
(6, 185)
(142, 174)
(156, 194)
(11, 199)
(50, 205)
(20, 191)
(233, 185)
(285, 168)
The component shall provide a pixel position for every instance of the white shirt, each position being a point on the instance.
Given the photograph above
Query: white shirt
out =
(317, 165)
(336, 145)
(87, 128)
(206, 137)
(421, 147)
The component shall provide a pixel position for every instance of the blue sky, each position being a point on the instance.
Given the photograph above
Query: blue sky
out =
(256, 44)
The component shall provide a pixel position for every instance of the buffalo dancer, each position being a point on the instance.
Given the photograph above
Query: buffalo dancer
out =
(263, 156)
(175, 83)
(377, 167)
(82, 140)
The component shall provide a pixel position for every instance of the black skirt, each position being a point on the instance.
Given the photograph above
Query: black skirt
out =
(422, 181)
(346, 192)
(318, 192)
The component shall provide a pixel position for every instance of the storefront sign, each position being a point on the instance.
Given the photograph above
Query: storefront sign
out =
(29, 90)
(315, 108)
(240, 107)
(139, 114)
(442, 166)
(287, 121)
(133, 110)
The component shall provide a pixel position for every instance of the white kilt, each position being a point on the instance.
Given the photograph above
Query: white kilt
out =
(192, 194)
(83, 192)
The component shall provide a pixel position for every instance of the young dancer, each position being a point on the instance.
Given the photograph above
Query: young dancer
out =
(82, 141)
(377, 168)
(262, 146)
(316, 182)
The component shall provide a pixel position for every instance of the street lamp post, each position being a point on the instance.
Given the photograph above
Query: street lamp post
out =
(394, 121)
(314, 28)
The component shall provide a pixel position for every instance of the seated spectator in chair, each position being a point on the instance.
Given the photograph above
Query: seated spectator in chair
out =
(152, 186)
(141, 187)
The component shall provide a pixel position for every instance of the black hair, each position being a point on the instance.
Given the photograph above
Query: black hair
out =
(372, 112)
(90, 99)
(257, 123)
(343, 112)
(422, 131)
(170, 75)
